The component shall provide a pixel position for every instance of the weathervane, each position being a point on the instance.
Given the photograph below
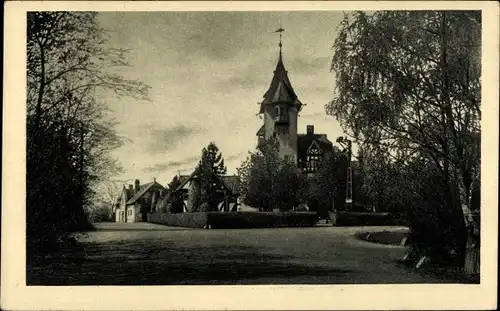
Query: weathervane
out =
(280, 30)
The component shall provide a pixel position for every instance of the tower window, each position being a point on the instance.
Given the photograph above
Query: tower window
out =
(282, 130)
(281, 114)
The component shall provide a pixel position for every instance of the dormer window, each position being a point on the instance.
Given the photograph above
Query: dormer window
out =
(261, 139)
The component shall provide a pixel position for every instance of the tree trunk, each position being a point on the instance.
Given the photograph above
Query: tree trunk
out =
(467, 247)
(41, 90)
(472, 245)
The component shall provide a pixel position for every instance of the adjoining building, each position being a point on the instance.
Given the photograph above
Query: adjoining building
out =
(280, 109)
(228, 196)
(137, 201)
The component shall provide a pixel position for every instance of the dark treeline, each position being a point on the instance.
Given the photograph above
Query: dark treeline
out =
(69, 135)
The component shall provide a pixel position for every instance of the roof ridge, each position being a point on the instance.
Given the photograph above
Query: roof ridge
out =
(139, 194)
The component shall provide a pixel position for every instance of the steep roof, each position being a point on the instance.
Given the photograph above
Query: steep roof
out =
(128, 194)
(183, 178)
(142, 190)
(281, 89)
(304, 141)
(231, 183)
(261, 131)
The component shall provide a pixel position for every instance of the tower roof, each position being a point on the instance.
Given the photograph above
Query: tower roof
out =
(280, 90)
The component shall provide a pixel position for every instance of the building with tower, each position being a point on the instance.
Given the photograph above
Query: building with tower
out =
(280, 111)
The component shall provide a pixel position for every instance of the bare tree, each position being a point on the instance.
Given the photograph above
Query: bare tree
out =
(70, 133)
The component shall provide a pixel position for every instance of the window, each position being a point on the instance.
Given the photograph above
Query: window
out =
(312, 163)
(288, 158)
(281, 114)
(281, 130)
(129, 212)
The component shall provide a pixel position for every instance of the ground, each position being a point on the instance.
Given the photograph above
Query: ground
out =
(148, 254)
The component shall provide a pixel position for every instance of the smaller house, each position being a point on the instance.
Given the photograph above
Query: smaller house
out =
(137, 201)
(228, 195)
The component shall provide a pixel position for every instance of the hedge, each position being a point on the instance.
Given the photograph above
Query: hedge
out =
(236, 220)
(362, 219)
(190, 220)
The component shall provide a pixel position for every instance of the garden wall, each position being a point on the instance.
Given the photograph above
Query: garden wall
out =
(362, 219)
(235, 220)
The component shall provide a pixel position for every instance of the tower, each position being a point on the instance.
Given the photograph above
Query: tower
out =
(280, 108)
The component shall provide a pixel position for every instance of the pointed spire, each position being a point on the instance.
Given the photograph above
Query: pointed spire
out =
(281, 89)
(280, 30)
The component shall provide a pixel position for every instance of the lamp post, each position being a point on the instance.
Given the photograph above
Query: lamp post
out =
(347, 144)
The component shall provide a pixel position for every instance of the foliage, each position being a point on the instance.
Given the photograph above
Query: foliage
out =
(408, 89)
(210, 168)
(186, 220)
(236, 220)
(69, 134)
(175, 183)
(100, 213)
(342, 218)
(327, 188)
(176, 200)
(269, 182)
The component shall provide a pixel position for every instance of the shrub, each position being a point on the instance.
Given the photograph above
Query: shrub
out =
(189, 220)
(236, 220)
(361, 219)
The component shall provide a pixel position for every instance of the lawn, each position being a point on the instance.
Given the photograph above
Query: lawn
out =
(147, 254)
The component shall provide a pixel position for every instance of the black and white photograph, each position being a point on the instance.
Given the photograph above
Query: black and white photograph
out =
(255, 147)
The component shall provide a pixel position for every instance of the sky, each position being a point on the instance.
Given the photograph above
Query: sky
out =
(207, 72)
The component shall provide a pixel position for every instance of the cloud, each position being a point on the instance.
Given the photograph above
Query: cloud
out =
(246, 82)
(161, 167)
(170, 165)
(313, 115)
(308, 65)
(168, 138)
(235, 156)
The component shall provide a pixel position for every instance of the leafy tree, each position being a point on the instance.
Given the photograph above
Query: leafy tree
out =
(409, 84)
(328, 186)
(210, 168)
(69, 134)
(269, 182)
(100, 213)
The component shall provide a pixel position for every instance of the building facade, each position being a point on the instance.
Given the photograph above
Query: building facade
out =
(137, 201)
(228, 196)
(280, 111)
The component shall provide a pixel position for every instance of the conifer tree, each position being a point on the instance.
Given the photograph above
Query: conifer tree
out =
(211, 168)
(176, 200)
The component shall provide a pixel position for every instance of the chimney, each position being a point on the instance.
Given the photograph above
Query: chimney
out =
(137, 185)
(154, 179)
(310, 129)
(130, 189)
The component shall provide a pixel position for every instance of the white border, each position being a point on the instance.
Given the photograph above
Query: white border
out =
(15, 295)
